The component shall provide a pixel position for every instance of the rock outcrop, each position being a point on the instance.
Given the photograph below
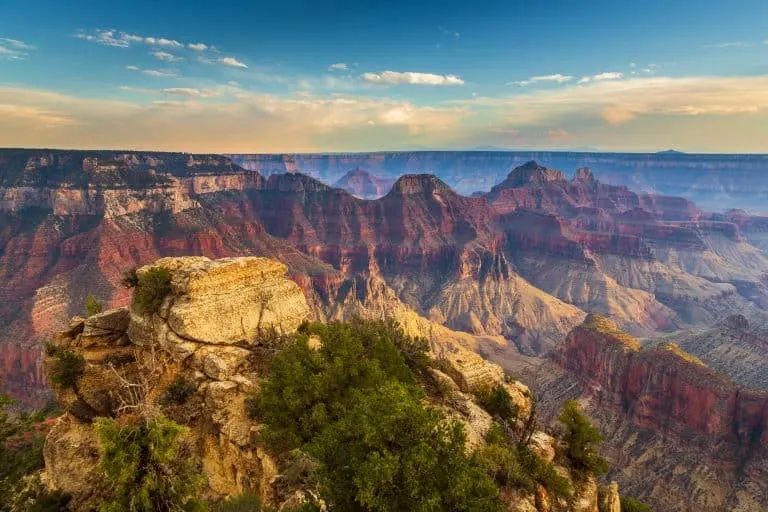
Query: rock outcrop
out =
(206, 332)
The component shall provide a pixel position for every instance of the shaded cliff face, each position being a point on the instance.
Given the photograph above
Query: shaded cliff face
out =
(714, 182)
(686, 437)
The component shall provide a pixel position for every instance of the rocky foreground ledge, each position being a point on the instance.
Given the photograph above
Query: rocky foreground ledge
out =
(209, 329)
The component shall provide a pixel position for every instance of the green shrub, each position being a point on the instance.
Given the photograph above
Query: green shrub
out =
(244, 503)
(93, 306)
(498, 402)
(582, 438)
(130, 279)
(354, 406)
(178, 391)
(634, 505)
(514, 465)
(389, 452)
(253, 405)
(66, 368)
(21, 454)
(148, 466)
(153, 286)
(50, 349)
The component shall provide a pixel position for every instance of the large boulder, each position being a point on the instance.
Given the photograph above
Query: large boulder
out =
(224, 301)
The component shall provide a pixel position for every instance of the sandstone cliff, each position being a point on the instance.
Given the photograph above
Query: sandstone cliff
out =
(205, 330)
(685, 437)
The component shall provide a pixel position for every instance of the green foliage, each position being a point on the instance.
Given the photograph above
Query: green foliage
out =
(244, 503)
(21, 453)
(498, 402)
(93, 306)
(178, 391)
(634, 505)
(148, 466)
(514, 465)
(130, 279)
(390, 453)
(309, 389)
(67, 368)
(152, 287)
(354, 406)
(583, 439)
(31, 495)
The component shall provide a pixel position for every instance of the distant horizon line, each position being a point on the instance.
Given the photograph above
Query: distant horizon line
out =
(378, 151)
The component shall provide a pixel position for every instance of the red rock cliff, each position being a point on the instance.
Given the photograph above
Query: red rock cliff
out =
(664, 388)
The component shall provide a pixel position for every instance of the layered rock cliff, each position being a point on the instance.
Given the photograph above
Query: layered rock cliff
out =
(685, 436)
(715, 182)
(527, 270)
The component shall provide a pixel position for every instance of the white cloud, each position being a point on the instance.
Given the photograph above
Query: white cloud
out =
(557, 78)
(120, 39)
(141, 90)
(620, 101)
(411, 78)
(248, 122)
(232, 62)
(15, 43)
(611, 75)
(632, 65)
(190, 92)
(340, 66)
(198, 47)
(601, 77)
(165, 56)
(14, 49)
(732, 44)
(160, 73)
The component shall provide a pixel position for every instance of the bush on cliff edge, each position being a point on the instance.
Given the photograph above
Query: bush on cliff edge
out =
(153, 286)
(148, 466)
(354, 405)
(583, 439)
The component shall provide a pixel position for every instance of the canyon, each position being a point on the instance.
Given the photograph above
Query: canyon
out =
(511, 274)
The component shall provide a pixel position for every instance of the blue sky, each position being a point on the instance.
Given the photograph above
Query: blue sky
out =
(254, 76)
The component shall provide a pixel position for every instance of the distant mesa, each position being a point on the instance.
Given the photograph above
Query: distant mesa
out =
(532, 172)
(428, 184)
(363, 184)
(670, 152)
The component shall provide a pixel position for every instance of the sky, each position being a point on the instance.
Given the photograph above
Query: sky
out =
(309, 76)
